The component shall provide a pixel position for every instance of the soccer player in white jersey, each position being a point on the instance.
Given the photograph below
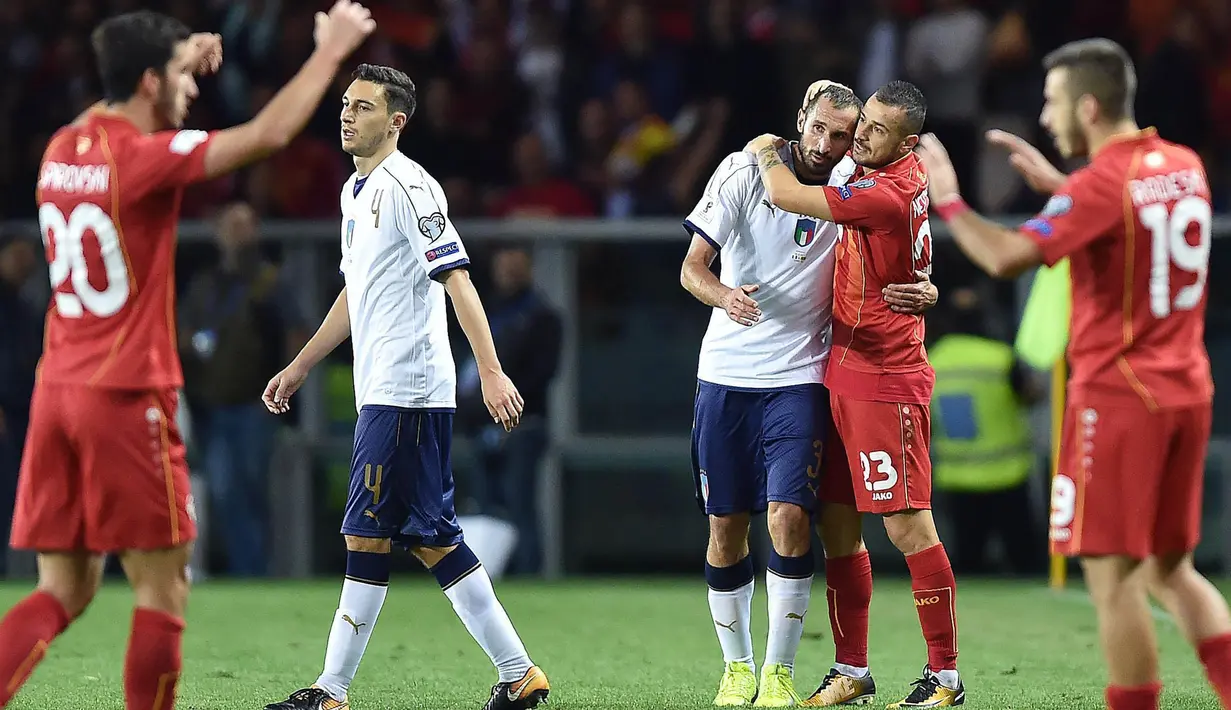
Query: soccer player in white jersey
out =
(761, 407)
(400, 256)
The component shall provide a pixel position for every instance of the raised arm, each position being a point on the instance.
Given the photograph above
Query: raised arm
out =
(781, 187)
(1084, 209)
(997, 250)
(337, 35)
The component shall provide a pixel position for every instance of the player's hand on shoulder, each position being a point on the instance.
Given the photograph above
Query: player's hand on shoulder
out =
(763, 141)
(740, 306)
(504, 402)
(277, 396)
(912, 298)
(1035, 169)
(343, 29)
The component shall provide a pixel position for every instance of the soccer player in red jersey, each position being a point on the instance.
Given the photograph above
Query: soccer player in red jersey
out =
(104, 469)
(1135, 226)
(880, 385)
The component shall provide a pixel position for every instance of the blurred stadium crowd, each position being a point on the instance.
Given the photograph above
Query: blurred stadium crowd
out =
(620, 108)
(612, 109)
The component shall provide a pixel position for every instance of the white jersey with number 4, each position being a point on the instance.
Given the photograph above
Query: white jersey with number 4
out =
(790, 257)
(397, 241)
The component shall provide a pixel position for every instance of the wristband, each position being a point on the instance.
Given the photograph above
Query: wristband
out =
(951, 207)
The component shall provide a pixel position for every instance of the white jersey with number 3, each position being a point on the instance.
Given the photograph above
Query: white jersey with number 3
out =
(790, 257)
(397, 241)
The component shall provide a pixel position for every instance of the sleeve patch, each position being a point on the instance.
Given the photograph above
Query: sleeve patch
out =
(844, 192)
(1058, 205)
(1040, 227)
(184, 142)
(432, 226)
(442, 251)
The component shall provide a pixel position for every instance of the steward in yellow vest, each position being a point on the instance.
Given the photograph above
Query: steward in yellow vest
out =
(983, 455)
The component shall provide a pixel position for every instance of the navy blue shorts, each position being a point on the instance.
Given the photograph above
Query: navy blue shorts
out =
(753, 446)
(401, 478)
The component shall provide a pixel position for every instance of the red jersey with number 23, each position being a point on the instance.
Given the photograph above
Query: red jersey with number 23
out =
(109, 200)
(877, 354)
(1135, 224)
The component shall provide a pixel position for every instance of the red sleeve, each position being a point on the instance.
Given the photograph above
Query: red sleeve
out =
(874, 203)
(1087, 207)
(164, 160)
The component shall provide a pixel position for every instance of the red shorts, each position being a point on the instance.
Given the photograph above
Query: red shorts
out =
(876, 457)
(1129, 481)
(103, 471)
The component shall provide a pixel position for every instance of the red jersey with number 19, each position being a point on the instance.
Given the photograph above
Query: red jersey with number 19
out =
(878, 355)
(109, 199)
(1135, 224)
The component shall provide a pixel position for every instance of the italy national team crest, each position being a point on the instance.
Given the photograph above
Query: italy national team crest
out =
(805, 231)
(350, 232)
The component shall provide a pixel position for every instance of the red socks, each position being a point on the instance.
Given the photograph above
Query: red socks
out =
(1215, 654)
(1142, 697)
(25, 633)
(935, 589)
(152, 666)
(848, 582)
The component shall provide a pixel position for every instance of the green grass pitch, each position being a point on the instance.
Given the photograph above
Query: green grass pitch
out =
(609, 644)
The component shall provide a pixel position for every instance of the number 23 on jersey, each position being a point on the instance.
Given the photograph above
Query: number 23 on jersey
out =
(65, 237)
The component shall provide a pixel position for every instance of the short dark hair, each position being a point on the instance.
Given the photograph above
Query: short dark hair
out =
(399, 89)
(841, 97)
(908, 97)
(127, 45)
(1101, 68)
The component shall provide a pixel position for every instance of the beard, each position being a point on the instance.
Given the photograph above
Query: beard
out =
(167, 108)
(363, 149)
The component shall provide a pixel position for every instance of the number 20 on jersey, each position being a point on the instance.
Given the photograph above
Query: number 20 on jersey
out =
(66, 238)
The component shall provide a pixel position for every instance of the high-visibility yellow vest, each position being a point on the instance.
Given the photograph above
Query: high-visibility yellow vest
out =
(980, 432)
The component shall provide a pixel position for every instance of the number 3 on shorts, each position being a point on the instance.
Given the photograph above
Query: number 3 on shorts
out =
(884, 467)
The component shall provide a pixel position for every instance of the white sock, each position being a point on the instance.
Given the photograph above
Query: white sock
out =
(348, 637)
(732, 613)
(788, 605)
(852, 671)
(476, 605)
(949, 678)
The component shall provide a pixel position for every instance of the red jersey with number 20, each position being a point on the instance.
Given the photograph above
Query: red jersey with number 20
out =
(877, 354)
(109, 200)
(1135, 224)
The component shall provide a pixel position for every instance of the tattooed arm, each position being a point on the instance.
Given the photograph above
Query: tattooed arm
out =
(781, 187)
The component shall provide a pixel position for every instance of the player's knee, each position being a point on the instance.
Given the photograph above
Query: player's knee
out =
(430, 555)
(159, 578)
(912, 531)
(1164, 570)
(728, 539)
(71, 581)
(75, 597)
(1111, 579)
(841, 530)
(368, 544)
(790, 529)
